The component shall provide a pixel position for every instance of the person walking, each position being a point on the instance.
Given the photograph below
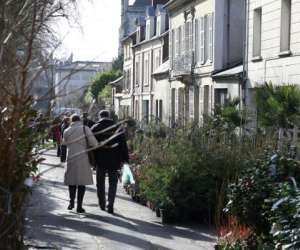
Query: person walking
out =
(86, 121)
(109, 159)
(78, 172)
(56, 135)
(63, 151)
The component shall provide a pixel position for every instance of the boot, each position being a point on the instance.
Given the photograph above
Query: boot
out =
(72, 193)
(80, 195)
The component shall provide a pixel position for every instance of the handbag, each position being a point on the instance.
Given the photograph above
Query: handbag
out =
(91, 154)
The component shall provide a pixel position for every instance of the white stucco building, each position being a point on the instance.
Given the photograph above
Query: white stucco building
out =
(273, 43)
(144, 96)
(206, 39)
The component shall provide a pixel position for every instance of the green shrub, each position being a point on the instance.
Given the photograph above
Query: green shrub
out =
(263, 199)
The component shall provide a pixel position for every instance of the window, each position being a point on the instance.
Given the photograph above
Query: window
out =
(178, 41)
(160, 110)
(148, 35)
(285, 32)
(202, 40)
(146, 70)
(197, 47)
(220, 96)
(206, 100)
(257, 32)
(173, 96)
(137, 73)
(146, 111)
(129, 79)
(187, 36)
(210, 37)
(173, 46)
(136, 109)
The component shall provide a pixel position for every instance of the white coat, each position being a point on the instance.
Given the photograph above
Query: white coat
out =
(78, 170)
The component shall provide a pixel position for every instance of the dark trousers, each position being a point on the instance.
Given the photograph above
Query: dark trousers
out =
(112, 189)
(63, 153)
(80, 195)
(58, 147)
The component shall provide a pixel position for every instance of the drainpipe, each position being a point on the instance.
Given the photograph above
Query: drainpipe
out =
(245, 55)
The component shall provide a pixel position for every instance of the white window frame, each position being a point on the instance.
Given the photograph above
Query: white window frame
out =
(285, 26)
(202, 39)
(257, 33)
(210, 37)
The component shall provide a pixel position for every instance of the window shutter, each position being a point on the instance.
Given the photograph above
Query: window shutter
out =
(176, 94)
(202, 40)
(181, 105)
(179, 42)
(191, 36)
(191, 102)
(196, 104)
(172, 48)
(210, 37)
(176, 42)
(182, 39)
(187, 37)
(197, 40)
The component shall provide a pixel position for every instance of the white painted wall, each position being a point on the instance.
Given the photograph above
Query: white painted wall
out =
(272, 67)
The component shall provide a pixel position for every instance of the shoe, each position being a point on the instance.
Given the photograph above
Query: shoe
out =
(102, 208)
(80, 210)
(110, 209)
(71, 206)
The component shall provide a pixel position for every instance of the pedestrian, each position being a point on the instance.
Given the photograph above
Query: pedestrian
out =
(86, 121)
(78, 172)
(40, 127)
(65, 124)
(109, 159)
(56, 134)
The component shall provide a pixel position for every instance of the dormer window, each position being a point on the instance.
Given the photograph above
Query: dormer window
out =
(158, 28)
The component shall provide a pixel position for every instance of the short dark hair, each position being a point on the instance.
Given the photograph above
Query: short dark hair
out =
(75, 118)
(103, 114)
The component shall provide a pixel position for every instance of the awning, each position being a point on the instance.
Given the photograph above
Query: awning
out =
(234, 72)
(118, 82)
(162, 69)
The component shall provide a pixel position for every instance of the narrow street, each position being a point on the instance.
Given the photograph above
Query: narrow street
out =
(49, 225)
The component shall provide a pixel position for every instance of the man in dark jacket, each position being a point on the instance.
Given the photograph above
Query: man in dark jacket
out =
(109, 158)
(86, 120)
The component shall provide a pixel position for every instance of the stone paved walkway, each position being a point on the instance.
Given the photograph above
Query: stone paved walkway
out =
(49, 225)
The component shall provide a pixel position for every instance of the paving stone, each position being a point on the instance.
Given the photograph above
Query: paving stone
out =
(49, 224)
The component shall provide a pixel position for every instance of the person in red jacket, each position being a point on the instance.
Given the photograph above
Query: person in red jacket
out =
(56, 134)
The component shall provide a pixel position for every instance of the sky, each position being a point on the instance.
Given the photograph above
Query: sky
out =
(97, 35)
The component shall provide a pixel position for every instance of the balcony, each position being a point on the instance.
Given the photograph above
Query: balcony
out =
(182, 64)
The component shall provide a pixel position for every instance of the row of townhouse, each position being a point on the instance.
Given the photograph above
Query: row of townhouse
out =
(186, 56)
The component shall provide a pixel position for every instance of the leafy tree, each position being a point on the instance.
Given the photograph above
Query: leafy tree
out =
(278, 106)
(101, 80)
(117, 63)
(106, 92)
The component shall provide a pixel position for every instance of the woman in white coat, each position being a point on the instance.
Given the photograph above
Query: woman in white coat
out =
(78, 172)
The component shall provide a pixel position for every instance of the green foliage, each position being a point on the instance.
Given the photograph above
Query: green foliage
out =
(154, 184)
(263, 199)
(278, 106)
(100, 81)
(106, 92)
(117, 64)
(198, 164)
(285, 216)
(228, 115)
